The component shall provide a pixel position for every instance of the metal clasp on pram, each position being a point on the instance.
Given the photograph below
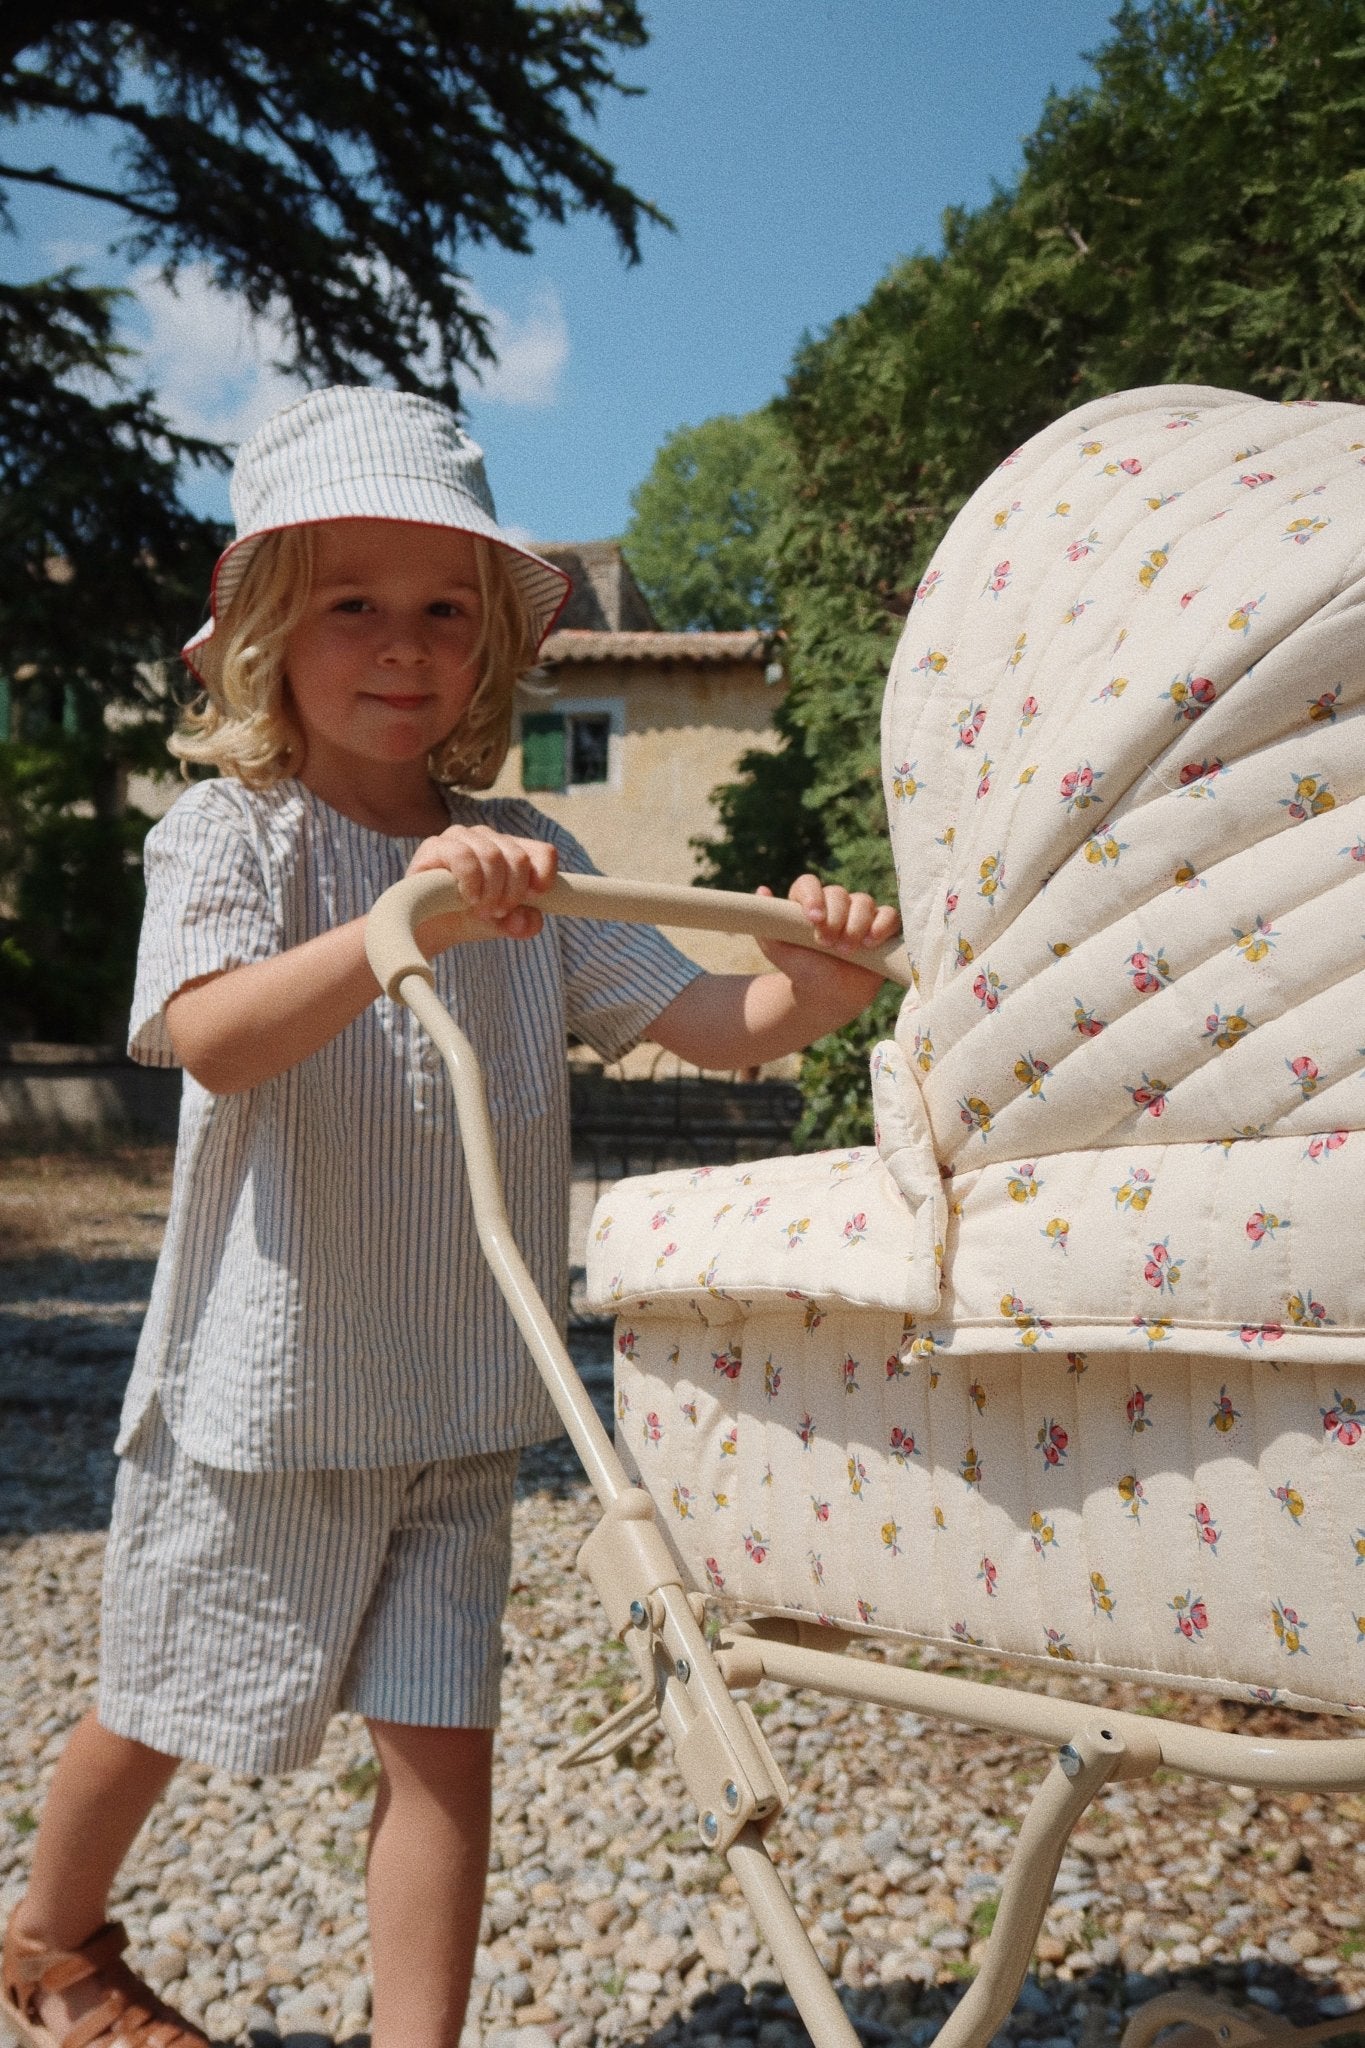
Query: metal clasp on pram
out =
(725, 1763)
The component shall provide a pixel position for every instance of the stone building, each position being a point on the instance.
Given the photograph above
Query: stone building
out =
(624, 731)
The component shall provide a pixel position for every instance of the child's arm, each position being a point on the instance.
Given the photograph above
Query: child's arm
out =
(234, 1030)
(741, 1020)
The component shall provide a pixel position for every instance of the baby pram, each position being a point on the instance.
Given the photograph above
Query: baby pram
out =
(1070, 1364)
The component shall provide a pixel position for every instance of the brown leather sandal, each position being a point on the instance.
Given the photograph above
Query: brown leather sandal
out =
(129, 2016)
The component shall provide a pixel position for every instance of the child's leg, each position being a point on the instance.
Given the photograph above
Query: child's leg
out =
(102, 1791)
(425, 1878)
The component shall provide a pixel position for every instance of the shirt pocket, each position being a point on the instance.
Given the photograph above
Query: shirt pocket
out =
(504, 995)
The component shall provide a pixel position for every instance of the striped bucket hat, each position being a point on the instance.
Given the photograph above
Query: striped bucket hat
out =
(352, 452)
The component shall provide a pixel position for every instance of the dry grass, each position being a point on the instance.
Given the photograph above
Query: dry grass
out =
(80, 1228)
(80, 1205)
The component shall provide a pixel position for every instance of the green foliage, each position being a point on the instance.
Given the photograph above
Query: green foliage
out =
(103, 566)
(767, 832)
(328, 166)
(74, 892)
(702, 530)
(1197, 215)
(984, 1914)
(361, 1779)
(102, 561)
(1255, 109)
(837, 1105)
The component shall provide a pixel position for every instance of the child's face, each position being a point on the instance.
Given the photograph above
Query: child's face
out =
(382, 666)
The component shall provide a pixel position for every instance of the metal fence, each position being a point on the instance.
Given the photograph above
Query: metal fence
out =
(648, 1123)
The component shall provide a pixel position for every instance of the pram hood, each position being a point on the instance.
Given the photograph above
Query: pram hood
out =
(1124, 759)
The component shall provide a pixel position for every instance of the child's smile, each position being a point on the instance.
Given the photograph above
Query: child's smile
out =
(384, 662)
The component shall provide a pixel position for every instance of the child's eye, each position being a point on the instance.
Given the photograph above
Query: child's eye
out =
(351, 605)
(446, 608)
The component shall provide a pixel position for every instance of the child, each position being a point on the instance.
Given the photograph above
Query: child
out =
(321, 1430)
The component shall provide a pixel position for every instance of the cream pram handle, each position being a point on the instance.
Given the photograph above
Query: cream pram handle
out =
(393, 950)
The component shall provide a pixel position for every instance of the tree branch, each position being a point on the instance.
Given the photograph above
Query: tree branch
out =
(54, 181)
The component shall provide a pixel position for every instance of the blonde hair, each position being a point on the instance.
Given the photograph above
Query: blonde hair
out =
(244, 725)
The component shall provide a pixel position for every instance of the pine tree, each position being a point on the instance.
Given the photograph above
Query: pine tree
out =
(331, 166)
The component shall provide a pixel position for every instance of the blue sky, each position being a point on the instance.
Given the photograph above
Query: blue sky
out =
(800, 146)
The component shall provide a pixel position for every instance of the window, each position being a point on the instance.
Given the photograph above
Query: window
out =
(576, 746)
(589, 749)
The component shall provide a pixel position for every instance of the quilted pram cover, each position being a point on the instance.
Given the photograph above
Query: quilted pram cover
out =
(1072, 1363)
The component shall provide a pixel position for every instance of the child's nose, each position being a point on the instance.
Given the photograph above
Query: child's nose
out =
(405, 647)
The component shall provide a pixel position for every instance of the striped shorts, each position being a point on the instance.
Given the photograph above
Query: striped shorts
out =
(242, 1609)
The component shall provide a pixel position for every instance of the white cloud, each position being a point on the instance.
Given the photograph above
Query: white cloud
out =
(212, 363)
(209, 360)
(531, 351)
(70, 255)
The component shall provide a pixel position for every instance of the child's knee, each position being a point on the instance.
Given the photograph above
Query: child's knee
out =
(439, 1759)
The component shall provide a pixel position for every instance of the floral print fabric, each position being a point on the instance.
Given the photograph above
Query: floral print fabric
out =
(1152, 1516)
(1124, 763)
(1123, 1116)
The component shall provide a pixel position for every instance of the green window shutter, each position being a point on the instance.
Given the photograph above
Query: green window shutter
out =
(542, 750)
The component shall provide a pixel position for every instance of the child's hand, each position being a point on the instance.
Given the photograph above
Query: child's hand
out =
(498, 877)
(841, 922)
(732, 1020)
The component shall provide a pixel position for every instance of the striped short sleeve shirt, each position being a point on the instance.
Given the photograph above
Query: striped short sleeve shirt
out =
(321, 1300)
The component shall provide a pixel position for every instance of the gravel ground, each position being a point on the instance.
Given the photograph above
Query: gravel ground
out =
(606, 1920)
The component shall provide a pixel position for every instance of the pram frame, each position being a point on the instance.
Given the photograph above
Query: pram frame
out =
(687, 1681)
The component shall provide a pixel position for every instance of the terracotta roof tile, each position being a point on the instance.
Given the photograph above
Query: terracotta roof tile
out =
(571, 645)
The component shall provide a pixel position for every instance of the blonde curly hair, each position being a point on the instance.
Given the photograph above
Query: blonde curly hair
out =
(243, 724)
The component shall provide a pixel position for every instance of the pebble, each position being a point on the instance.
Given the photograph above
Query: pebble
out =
(606, 1921)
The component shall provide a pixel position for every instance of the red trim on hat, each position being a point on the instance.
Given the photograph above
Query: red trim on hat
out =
(202, 639)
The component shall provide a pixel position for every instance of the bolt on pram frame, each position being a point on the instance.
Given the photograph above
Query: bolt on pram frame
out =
(687, 1682)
